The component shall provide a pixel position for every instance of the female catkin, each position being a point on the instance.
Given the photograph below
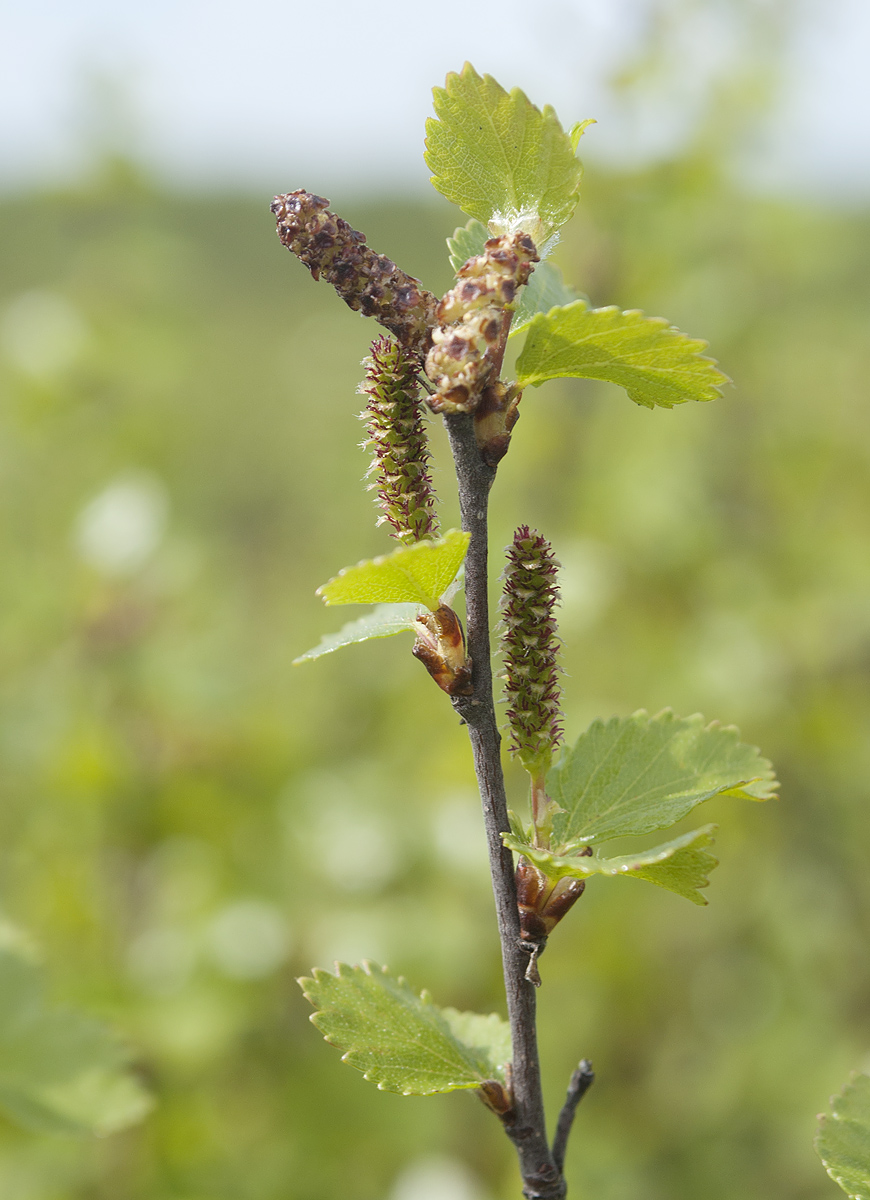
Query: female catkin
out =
(530, 645)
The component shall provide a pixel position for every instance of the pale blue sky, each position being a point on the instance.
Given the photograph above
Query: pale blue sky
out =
(263, 92)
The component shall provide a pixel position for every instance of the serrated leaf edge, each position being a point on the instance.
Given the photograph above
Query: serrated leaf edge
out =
(697, 345)
(510, 220)
(426, 543)
(583, 867)
(832, 1116)
(315, 652)
(371, 969)
(664, 715)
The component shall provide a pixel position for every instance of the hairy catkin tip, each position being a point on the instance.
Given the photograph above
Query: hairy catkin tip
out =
(397, 438)
(529, 642)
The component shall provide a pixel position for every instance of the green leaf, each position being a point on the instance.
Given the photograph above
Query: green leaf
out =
(545, 290)
(577, 130)
(381, 622)
(500, 158)
(467, 242)
(843, 1139)
(489, 1034)
(653, 361)
(60, 1072)
(401, 1041)
(418, 574)
(639, 773)
(681, 866)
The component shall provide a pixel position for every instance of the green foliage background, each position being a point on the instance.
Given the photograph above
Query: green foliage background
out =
(162, 763)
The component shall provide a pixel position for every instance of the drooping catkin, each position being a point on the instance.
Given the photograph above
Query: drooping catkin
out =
(368, 282)
(397, 435)
(470, 321)
(530, 644)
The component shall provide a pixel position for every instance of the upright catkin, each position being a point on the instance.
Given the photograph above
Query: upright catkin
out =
(530, 643)
(470, 321)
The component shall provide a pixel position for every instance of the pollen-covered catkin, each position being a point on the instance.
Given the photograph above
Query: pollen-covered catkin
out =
(470, 321)
(368, 282)
(397, 435)
(530, 643)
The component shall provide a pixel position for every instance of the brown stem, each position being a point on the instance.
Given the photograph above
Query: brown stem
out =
(497, 355)
(525, 1125)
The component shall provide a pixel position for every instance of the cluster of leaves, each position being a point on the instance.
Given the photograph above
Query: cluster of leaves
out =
(513, 169)
(628, 776)
(633, 775)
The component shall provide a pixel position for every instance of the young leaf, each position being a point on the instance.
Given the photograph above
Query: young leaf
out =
(545, 290)
(681, 866)
(639, 773)
(653, 361)
(381, 622)
(843, 1139)
(417, 574)
(401, 1041)
(500, 158)
(60, 1072)
(577, 130)
(467, 242)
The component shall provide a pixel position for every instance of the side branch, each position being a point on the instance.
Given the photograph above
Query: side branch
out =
(581, 1082)
(525, 1125)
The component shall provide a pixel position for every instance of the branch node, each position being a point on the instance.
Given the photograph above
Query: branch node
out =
(534, 951)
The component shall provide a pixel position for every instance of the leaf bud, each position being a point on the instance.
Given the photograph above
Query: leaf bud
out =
(440, 647)
(543, 902)
(497, 1097)
(397, 435)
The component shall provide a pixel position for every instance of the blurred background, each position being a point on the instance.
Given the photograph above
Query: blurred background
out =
(188, 822)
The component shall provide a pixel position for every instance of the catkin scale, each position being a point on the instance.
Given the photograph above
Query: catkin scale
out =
(368, 282)
(470, 321)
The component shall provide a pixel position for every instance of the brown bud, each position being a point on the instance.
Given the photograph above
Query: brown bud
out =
(440, 647)
(543, 903)
(494, 419)
(496, 1097)
(532, 886)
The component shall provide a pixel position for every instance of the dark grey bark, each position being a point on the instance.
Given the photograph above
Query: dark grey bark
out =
(581, 1082)
(525, 1125)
